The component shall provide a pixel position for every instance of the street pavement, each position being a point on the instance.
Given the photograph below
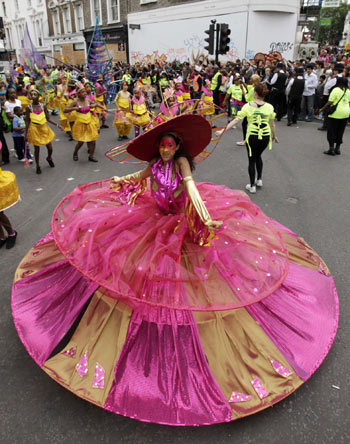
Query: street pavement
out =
(303, 189)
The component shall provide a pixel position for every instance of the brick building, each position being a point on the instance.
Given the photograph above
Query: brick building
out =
(66, 24)
(112, 17)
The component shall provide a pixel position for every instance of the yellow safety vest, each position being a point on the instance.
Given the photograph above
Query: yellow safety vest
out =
(214, 81)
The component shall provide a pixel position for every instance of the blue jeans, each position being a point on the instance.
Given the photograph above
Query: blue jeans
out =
(307, 107)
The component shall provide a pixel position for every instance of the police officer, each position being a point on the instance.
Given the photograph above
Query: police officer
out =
(278, 87)
(294, 93)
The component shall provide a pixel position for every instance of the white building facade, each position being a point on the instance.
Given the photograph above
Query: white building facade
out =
(16, 14)
(177, 32)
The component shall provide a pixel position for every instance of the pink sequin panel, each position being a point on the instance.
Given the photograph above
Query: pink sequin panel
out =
(99, 378)
(71, 352)
(82, 366)
(259, 388)
(280, 369)
(239, 397)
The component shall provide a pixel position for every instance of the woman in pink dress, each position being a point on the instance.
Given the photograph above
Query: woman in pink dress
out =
(198, 308)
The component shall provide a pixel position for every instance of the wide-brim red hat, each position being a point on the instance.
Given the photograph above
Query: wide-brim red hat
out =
(194, 131)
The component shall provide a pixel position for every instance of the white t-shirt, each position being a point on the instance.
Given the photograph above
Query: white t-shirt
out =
(9, 106)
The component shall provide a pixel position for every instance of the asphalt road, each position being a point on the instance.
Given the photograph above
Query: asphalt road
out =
(303, 189)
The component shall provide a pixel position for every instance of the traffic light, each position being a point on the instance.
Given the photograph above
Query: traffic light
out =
(210, 40)
(224, 39)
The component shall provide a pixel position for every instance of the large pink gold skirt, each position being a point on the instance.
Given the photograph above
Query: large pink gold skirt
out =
(172, 332)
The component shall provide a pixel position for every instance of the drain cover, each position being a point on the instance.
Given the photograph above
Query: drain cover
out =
(292, 200)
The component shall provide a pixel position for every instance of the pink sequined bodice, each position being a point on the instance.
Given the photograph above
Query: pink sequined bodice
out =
(84, 109)
(166, 187)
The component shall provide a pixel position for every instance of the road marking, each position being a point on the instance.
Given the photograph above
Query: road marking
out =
(39, 189)
(96, 171)
(70, 178)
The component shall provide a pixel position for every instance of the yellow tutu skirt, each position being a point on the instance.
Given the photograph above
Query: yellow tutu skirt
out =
(142, 120)
(9, 194)
(123, 123)
(84, 132)
(40, 134)
(96, 120)
(72, 116)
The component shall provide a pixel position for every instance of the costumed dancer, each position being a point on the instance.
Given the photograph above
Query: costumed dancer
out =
(100, 98)
(168, 109)
(84, 128)
(22, 95)
(194, 307)
(206, 107)
(37, 131)
(62, 95)
(72, 95)
(9, 196)
(186, 95)
(123, 116)
(141, 114)
(260, 133)
(90, 96)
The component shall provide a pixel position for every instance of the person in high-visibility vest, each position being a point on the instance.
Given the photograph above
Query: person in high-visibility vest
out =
(197, 83)
(215, 87)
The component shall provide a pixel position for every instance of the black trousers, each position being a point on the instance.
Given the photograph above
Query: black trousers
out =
(324, 100)
(20, 147)
(278, 101)
(293, 109)
(335, 131)
(257, 147)
(216, 99)
(5, 150)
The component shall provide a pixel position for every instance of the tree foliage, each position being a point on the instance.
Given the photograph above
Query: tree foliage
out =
(332, 33)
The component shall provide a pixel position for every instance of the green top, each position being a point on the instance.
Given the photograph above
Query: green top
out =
(163, 82)
(235, 92)
(258, 121)
(250, 96)
(343, 107)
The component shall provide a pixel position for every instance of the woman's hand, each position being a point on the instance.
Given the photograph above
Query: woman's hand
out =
(215, 224)
(274, 138)
(219, 132)
(60, 127)
(116, 179)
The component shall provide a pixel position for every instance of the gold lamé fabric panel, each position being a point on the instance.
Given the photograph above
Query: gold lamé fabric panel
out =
(302, 254)
(238, 351)
(99, 336)
(43, 254)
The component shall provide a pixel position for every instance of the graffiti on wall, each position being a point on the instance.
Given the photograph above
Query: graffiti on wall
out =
(281, 46)
(192, 51)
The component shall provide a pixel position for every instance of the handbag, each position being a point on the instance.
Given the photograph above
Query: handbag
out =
(332, 108)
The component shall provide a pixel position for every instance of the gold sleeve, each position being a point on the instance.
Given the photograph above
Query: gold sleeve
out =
(130, 178)
(196, 200)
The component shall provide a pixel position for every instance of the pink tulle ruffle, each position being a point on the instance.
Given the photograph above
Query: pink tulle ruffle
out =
(140, 255)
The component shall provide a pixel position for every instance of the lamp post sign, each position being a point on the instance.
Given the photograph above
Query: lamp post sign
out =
(330, 3)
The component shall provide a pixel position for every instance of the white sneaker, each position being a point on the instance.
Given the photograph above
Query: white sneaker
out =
(251, 189)
(241, 143)
(259, 183)
(21, 160)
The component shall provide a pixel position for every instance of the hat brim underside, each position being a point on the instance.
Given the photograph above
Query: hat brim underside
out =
(193, 130)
